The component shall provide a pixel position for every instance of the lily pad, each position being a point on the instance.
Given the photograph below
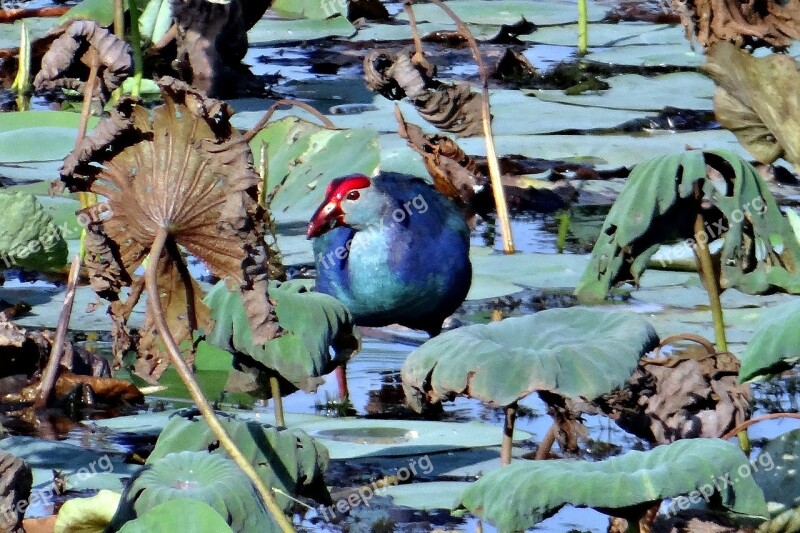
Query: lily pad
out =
(348, 438)
(269, 31)
(775, 345)
(311, 9)
(540, 12)
(10, 33)
(287, 459)
(686, 90)
(304, 157)
(518, 496)
(574, 352)
(155, 20)
(657, 55)
(427, 496)
(606, 35)
(38, 135)
(28, 236)
(181, 514)
(312, 323)
(208, 477)
(775, 470)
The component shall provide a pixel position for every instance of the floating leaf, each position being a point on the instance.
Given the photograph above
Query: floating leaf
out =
(775, 345)
(286, 459)
(186, 169)
(518, 496)
(28, 236)
(313, 324)
(181, 514)
(208, 477)
(753, 101)
(155, 20)
(659, 204)
(574, 352)
(87, 515)
(311, 9)
(304, 157)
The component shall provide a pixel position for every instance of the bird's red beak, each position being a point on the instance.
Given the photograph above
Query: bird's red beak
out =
(328, 216)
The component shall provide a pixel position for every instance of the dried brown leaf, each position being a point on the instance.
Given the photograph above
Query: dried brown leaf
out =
(755, 99)
(751, 23)
(454, 108)
(76, 46)
(186, 169)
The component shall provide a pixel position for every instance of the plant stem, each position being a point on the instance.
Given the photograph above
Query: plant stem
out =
(491, 153)
(87, 199)
(563, 229)
(508, 434)
(186, 375)
(277, 401)
(711, 282)
(747, 423)
(57, 348)
(547, 443)
(583, 27)
(136, 47)
(119, 18)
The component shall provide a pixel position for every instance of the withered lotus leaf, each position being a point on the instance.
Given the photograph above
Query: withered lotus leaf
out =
(181, 166)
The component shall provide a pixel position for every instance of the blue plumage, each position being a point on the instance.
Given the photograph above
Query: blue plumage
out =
(393, 250)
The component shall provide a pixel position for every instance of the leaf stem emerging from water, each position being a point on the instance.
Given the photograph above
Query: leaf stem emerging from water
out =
(491, 153)
(187, 376)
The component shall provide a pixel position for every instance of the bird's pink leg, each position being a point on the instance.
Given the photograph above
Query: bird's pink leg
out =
(341, 380)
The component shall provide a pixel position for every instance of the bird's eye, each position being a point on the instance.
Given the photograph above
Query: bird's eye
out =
(353, 195)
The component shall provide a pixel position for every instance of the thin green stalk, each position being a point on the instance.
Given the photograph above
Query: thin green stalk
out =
(195, 392)
(119, 19)
(274, 385)
(583, 27)
(136, 46)
(707, 272)
(563, 230)
(22, 81)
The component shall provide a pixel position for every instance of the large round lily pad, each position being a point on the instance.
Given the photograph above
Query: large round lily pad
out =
(518, 496)
(575, 352)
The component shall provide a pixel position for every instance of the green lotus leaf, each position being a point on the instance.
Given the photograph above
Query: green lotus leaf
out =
(775, 344)
(520, 495)
(155, 20)
(28, 236)
(658, 205)
(286, 459)
(312, 323)
(574, 352)
(87, 515)
(198, 475)
(305, 157)
(181, 514)
(312, 9)
(775, 470)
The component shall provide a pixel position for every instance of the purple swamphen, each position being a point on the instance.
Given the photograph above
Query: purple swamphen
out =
(392, 249)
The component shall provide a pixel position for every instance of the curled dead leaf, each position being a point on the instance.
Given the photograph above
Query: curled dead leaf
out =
(188, 170)
(73, 52)
(454, 108)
